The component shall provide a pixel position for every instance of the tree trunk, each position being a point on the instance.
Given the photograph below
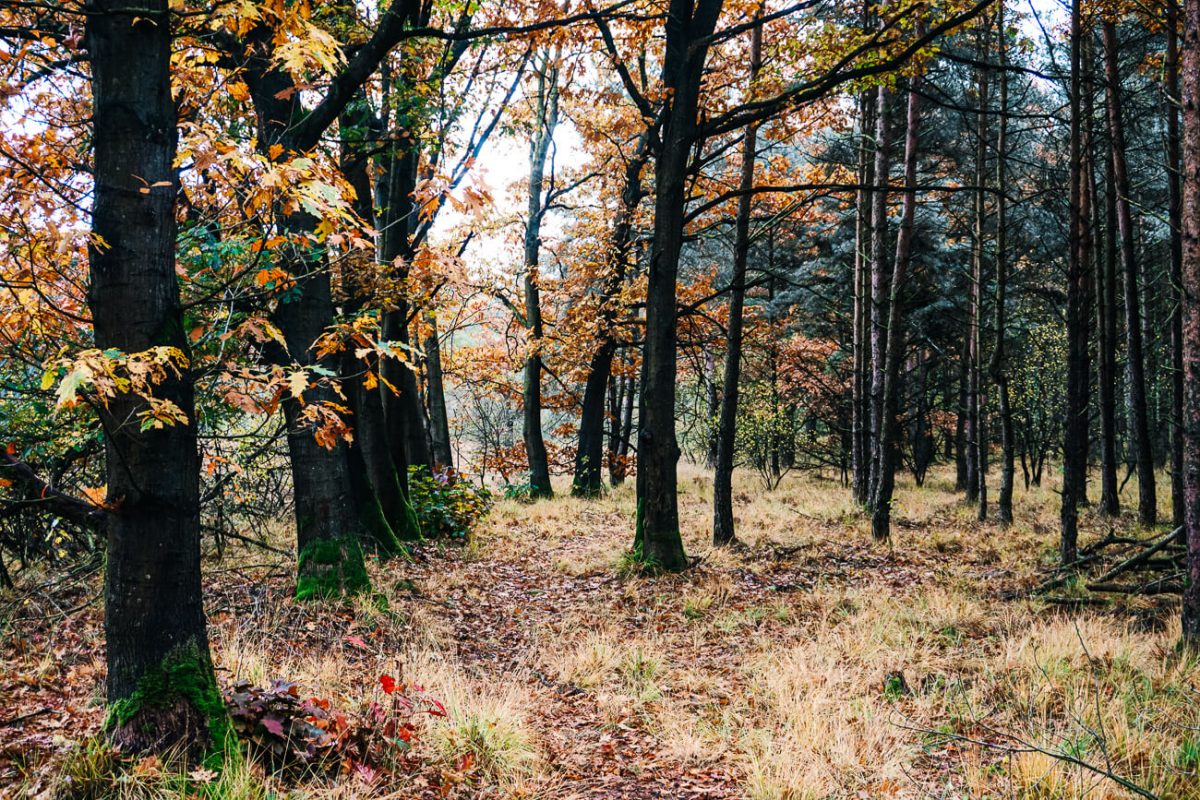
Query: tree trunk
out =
(539, 150)
(657, 539)
(402, 399)
(1190, 161)
(161, 689)
(1075, 428)
(723, 525)
(1138, 416)
(879, 282)
(439, 419)
(1110, 503)
(1174, 213)
(977, 432)
(589, 453)
(886, 446)
(860, 424)
(378, 493)
(998, 366)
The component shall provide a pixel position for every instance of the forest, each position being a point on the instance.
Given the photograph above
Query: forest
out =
(765, 399)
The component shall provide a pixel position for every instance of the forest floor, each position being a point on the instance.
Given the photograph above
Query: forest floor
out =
(806, 663)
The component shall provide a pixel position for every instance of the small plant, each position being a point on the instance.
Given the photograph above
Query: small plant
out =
(521, 491)
(293, 734)
(447, 506)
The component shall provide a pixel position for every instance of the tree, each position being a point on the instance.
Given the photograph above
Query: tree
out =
(162, 691)
(723, 527)
(657, 540)
(545, 120)
(1138, 417)
(896, 342)
(1190, 160)
(1075, 427)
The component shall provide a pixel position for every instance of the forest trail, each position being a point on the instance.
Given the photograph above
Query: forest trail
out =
(804, 659)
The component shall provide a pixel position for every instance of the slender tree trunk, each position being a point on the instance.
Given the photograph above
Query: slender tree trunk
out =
(539, 150)
(886, 446)
(998, 366)
(161, 689)
(1075, 428)
(1110, 504)
(860, 424)
(1174, 215)
(977, 432)
(723, 526)
(1138, 416)
(1190, 161)
(657, 540)
(880, 276)
(439, 419)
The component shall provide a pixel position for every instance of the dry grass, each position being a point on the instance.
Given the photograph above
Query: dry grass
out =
(808, 664)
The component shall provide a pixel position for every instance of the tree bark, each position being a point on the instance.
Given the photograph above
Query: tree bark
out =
(1190, 162)
(880, 276)
(886, 446)
(1075, 428)
(1110, 503)
(161, 688)
(860, 414)
(1138, 415)
(998, 365)
(539, 150)
(723, 525)
(657, 539)
(1174, 215)
(439, 419)
(977, 433)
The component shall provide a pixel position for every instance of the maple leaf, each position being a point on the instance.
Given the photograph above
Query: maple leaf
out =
(388, 683)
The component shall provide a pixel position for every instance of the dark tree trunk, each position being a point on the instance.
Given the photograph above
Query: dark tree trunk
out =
(860, 424)
(1174, 213)
(998, 366)
(161, 688)
(589, 454)
(624, 425)
(723, 525)
(880, 275)
(657, 539)
(1190, 161)
(886, 446)
(1075, 427)
(402, 399)
(378, 494)
(1138, 417)
(539, 149)
(977, 429)
(1110, 503)
(328, 526)
(439, 419)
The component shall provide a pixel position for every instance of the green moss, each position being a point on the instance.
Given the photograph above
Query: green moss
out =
(185, 674)
(331, 568)
(379, 531)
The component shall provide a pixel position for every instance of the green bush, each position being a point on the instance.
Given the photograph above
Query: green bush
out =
(447, 506)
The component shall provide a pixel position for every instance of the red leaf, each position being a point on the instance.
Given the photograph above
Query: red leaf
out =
(357, 641)
(273, 724)
(388, 683)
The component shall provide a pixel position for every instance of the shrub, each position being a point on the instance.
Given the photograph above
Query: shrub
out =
(447, 506)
